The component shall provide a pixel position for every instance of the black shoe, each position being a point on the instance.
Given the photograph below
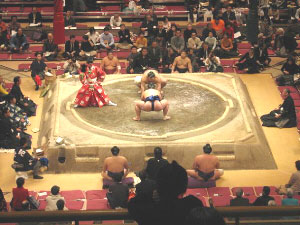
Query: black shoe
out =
(37, 87)
(37, 177)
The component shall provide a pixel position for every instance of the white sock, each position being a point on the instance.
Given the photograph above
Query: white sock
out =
(110, 103)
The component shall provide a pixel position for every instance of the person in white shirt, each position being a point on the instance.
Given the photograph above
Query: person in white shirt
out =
(52, 199)
(213, 63)
(93, 35)
(115, 21)
(194, 42)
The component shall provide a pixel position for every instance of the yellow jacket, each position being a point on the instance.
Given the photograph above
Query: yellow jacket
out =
(2, 90)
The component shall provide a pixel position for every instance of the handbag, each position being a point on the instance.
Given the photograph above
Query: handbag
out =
(34, 203)
(281, 123)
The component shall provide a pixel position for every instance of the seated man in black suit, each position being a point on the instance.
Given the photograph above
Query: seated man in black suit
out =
(265, 198)
(239, 200)
(118, 193)
(71, 47)
(35, 17)
(155, 55)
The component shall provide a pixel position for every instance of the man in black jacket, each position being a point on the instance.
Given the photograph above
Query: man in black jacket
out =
(118, 193)
(229, 16)
(265, 198)
(50, 49)
(38, 68)
(142, 62)
(35, 17)
(148, 27)
(71, 47)
(8, 137)
(155, 55)
(124, 37)
(24, 158)
(203, 54)
(154, 164)
(239, 200)
(284, 116)
(161, 35)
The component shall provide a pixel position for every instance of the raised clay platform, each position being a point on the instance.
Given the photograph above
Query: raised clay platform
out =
(204, 108)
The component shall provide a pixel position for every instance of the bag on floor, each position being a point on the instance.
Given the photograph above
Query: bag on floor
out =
(34, 203)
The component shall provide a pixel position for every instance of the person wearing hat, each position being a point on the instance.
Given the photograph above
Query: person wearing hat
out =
(151, 100)
(206, 166)
(92, 93)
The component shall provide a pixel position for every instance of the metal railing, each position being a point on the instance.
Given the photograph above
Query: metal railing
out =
(228, 212)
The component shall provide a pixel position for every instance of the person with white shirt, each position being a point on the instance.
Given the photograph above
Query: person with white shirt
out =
(52, 199)
(115, 21)
(93, 35)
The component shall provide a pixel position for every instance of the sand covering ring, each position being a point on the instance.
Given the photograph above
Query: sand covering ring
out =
(192, 106)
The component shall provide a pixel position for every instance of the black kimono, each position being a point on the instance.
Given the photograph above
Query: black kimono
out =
(287, 118)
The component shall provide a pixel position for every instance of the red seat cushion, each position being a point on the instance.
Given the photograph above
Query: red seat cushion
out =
(258, 190)
(95, 194)
(72, 195)
(220, 201)
(52, 65)
(42, 206)
(123, 71)
(228, 70)
(80, 25)
(291, 88)
(136, 24)
(74, 205)
(113, 222)
(59, 72)
(219, 191)
(123, 54)
(36, 48)
(295, 96)
(98, 204)
(13, 9)
(4, 56)
(47, 9)
(271, 52)
(227, 62)
(85, 222)
(122, 64)
(22, 56)
(244, 46)
(243, 51)
(297, 102)
(248, 191)
(197, 192)
(24, 67)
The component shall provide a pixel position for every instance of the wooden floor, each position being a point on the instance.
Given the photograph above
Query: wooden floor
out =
(284, 144)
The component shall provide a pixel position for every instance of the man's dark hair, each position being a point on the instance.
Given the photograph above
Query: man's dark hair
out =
(266, 191)
(122, 24)
(4, 111)
(109, 51)
(38, 53)
(158, 153)
(207, 149)
(92, 30)
(10, 97)
(72, 36)
(144, 48)
(16, 79)
(23, 141)
(115, 150)
(85, 37)
(151, 74)
(106, 28)
(204, 216)
(297, 163)
(89, 60)
(20, 182)
(55, 190)
(178, 29)
(171, 181)
(133, 47)
(60, 204)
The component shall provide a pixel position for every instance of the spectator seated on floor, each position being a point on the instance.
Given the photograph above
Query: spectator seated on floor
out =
(227, 50)
(53, 198)
(167, 60)
(94, 36)
(154, 164)
(50, 49)
(155, 55)
(71, 47)
(3, 206)
(148, 27)
(23, 102)
(130, 59)
(22, 157)
(177, 42)
(141, 41)
(261, 53)
(17, 115)
(267, 33)
(166, 23)
(115, 165)
(107, 39)
(213, 63)
(20, 194)
(249, 62)
(161, 35)
(69, 20)
(203, 54)
(265, 198)
(274, 14)
(18, 42)
(229, 16)
(171, 207)
(239, 200)
(279, 45)
(205, 216)
(194, 43)
(38, 69)
(14, 25)
(229, 31)
(115, 21)
(4, 42)
(110, 64)
(187, 34)
(171, 33)
(3, 91)
(206, 31)
(211, 41)
(290, 200)
(35, 17)
(294, 182)
(218, 25)
(124, 38)
(142, 62)
(289, 69)
(284, 116)
(194, 59)
(87, 48)
(71, 66)
(182, 64)
(117, 195)
(206, 166)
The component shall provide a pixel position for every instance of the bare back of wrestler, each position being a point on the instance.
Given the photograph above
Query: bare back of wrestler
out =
(110, 64)
(205, 167)
(152, 77)
(115, 165)
(151, 101)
